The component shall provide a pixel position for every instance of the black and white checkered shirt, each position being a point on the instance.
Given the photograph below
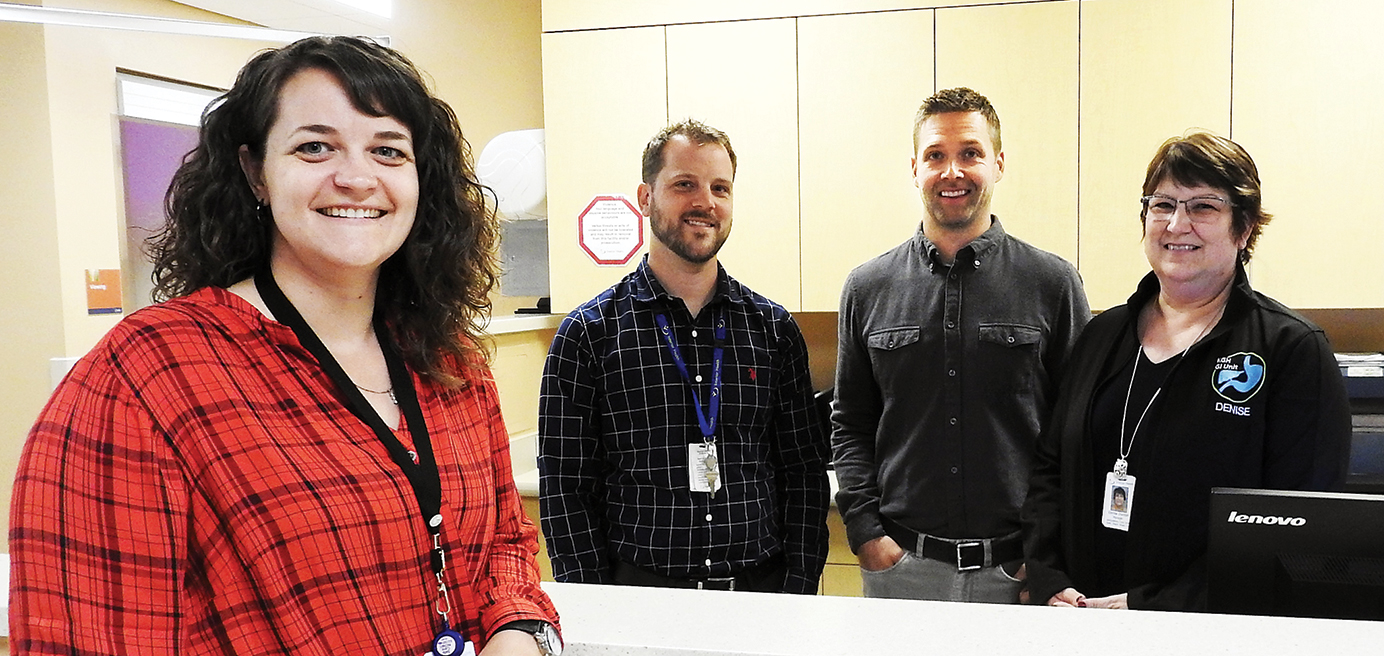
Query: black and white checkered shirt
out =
(616, 419)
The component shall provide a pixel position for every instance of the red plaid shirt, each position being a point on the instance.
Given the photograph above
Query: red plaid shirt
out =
(197, 486)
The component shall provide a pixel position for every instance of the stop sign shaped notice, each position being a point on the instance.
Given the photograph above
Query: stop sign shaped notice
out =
(610, 230)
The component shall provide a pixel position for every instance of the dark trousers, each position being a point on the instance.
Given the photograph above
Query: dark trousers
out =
(767, 576)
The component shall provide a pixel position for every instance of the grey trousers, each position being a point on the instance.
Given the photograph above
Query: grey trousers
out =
(916, 577)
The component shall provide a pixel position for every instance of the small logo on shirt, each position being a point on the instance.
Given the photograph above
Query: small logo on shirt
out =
(753, 377)
(1238, 377)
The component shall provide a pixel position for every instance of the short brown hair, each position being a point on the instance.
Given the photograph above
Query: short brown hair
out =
(1202, 158)
(696, 131)
(960, 99)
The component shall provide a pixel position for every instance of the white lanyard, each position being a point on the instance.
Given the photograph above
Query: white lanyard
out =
(1122, 462)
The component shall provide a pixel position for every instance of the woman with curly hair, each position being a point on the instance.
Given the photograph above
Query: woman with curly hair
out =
(299, 451)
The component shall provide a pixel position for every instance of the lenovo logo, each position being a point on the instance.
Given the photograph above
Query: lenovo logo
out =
(1237, 518)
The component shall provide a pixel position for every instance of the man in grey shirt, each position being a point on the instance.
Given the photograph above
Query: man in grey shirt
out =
(950, 347)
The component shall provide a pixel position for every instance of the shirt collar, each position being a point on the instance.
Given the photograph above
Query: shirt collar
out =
(648, 289)
(1241, 295)
(971, 255)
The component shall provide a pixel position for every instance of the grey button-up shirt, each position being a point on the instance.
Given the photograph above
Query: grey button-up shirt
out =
(944, 377)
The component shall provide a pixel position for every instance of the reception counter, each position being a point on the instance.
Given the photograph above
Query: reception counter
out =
(600, 620)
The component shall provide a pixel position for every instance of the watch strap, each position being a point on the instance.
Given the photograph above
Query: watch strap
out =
(543, 633)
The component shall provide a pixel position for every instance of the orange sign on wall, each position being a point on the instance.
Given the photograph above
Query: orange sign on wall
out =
(103, 291)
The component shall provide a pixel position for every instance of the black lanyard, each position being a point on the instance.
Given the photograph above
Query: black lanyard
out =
(422, 477)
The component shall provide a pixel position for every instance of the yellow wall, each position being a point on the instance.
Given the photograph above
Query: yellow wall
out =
(81, 65)
(561, 15)
(31, 329)
(62, 186)
(518, 366)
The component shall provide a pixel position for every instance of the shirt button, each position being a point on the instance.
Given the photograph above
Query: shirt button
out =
(952, 421)
(951, 372)
(694, 333)
(708, 562)
(954, 470)
(977, 263)
(699, 378)
(708, 517)
(1011, 339)
(951, 324)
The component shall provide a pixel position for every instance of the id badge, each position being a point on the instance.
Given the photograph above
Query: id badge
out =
(1119, 501)
(703, 470)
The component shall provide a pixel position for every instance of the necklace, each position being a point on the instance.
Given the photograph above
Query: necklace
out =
(1122, 462)
(389, 391)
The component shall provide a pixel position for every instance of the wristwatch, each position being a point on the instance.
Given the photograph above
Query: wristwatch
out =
(545, 634)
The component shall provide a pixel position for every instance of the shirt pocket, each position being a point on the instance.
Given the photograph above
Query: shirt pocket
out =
(1010, 357)
(895, 356)
(891, 339)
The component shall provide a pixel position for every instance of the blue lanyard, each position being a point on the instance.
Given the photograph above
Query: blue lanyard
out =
(707, 424)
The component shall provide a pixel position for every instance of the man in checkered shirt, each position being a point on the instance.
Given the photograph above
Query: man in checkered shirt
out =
(678, 441)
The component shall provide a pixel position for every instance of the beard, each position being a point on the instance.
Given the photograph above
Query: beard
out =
(957, 218)
(671, 234)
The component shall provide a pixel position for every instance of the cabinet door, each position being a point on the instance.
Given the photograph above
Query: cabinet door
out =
(604, 97)
(740, 78)
(1149, 71)
(1024, 59)
(860, 81)
(1307, 96)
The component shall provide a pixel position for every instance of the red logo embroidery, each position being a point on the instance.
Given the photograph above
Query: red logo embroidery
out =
(752, 374)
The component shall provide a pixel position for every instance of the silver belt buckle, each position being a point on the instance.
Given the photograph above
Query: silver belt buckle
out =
(701, 584)
(960, 567)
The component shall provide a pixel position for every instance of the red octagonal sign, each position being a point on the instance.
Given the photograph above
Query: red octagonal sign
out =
(610, 230)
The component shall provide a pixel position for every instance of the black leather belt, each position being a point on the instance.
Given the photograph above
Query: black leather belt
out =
(965, 554)
(767, 576)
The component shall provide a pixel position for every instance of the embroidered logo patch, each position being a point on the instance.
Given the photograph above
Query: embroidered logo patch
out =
(1238, 377)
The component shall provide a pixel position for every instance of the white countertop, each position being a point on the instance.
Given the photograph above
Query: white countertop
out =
(518, 323)
(601, 620)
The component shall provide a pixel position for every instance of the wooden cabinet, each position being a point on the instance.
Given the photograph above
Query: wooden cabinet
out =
(841, 577)
(860, 80)
(604, 96)
(820, 107)
(739, 78)
(1149, 71)
(1024, 59)
(1316, 138)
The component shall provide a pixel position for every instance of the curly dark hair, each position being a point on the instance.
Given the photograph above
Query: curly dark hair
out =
(434, 291)
(1202, 158)
(960, 99)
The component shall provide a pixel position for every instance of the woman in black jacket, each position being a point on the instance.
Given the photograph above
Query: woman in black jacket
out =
(1198, 381)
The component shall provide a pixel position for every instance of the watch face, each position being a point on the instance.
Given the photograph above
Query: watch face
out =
(548, 640)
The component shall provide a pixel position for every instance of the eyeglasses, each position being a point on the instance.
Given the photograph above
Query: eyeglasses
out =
(1201, 209)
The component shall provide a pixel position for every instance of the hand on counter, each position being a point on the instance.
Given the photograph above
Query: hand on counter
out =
(1072, 599)
(1116, 602)
(1068, 598)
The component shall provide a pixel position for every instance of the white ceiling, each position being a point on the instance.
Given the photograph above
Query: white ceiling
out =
(325, 16)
